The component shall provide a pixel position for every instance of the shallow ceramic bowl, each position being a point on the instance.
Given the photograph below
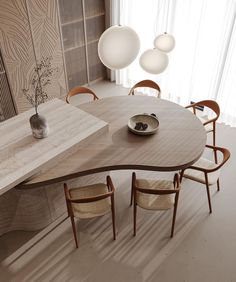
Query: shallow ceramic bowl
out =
(150, 120)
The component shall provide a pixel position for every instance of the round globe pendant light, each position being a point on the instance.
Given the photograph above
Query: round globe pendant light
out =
(153, 61)
(118, 47)
(164, 42)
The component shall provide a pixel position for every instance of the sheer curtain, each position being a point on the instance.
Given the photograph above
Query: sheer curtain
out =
(203, 63)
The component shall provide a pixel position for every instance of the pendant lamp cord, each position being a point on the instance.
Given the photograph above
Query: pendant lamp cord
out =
(167, 16)
(119, 12)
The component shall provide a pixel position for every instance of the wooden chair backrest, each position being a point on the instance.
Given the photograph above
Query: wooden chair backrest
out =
(146, 83)
(80, 90)
(225, 153)
(156, 191)
(213, 105)
(69, 200)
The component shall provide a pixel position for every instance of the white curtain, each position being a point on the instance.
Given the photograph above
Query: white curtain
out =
(203, 63)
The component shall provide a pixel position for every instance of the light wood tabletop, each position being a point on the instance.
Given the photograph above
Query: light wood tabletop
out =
(22, 155)
(178, 143)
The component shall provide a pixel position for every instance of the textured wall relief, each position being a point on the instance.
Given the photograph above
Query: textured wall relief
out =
(18, 20)
(16, 46)
(43, 20)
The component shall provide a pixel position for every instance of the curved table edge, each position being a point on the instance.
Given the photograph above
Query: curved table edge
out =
(25, 185)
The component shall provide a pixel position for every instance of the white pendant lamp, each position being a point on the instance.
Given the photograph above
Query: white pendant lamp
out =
(153, 61)
(118, 47)
(164, 42)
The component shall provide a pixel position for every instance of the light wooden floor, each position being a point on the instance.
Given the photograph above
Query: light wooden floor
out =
(203, 248)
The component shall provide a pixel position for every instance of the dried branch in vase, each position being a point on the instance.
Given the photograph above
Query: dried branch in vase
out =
(36, 94)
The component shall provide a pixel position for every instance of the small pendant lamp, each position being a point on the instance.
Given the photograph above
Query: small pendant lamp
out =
(153, 61)
(164, 42)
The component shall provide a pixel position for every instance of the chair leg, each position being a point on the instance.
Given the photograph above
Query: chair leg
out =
(215, 156)
(131, 197)
(74, 231)
(208, 192)
(218, 184)
(181, 175)
(174, 214)
(113, 217)
(214, 135)
(214, 144)
(135, 216)
(209, 198)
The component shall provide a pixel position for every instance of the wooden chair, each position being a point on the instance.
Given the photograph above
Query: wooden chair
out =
(90, 201)
(146, 83)
(80, 90)
(155, 195)
(209, 124)
(206, 171)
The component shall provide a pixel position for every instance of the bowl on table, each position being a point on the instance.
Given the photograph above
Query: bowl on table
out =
(143, 124)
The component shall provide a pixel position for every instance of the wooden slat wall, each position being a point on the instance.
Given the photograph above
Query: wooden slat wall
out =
(75, 43)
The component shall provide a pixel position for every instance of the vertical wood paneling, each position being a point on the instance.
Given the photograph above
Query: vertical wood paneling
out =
(82, 23)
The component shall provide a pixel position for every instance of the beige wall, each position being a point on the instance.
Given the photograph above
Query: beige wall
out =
(17, 45)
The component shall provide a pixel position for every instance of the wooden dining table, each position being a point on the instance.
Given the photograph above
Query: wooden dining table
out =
(177, 144)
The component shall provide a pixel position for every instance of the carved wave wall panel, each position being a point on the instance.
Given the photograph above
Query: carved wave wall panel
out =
(43, 18)
(17, 19)
(16, 46)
